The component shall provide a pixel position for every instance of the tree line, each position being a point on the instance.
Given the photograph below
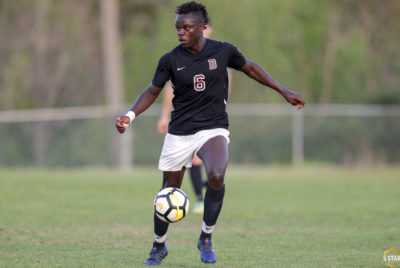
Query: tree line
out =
(333, 51)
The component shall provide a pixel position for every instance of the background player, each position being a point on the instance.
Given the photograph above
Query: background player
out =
(197, 69)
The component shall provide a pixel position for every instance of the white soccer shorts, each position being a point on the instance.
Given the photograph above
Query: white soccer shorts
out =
(178, 151)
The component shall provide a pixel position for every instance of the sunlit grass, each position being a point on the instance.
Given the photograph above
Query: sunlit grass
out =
(311, 216)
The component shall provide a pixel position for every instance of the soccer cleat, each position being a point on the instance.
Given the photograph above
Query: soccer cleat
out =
(207, 253)
(198, 208)
(156, 256)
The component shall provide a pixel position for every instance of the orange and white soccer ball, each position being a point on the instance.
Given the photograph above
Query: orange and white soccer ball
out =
(171, 204)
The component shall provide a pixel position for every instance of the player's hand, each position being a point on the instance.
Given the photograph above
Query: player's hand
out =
(120, 121)
(162, 125)
(294, 99)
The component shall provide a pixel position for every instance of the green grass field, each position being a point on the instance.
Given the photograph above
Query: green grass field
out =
(310, 216)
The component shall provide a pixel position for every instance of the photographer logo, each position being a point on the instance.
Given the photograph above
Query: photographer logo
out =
(391, 257)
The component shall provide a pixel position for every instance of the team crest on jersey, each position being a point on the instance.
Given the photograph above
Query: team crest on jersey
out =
(212, 64)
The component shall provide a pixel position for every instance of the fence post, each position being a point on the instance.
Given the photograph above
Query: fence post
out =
(113, 83)
(297, 137)
(126, 158)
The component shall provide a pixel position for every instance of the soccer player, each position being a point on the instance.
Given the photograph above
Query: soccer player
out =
(162, 127)
(195, 169)
(197, 68)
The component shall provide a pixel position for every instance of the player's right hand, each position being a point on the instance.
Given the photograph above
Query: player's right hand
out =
(120, 121)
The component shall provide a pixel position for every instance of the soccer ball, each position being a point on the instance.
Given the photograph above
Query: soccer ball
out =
(171, 204)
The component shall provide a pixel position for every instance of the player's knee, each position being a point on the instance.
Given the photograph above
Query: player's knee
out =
(172, 183)
(216, 180)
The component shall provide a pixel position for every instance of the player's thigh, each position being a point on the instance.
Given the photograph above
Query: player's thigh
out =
(215, 155)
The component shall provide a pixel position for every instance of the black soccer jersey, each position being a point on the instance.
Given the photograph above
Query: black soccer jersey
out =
(200, 83)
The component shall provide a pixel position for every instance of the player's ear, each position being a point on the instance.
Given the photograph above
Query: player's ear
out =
(202, 26)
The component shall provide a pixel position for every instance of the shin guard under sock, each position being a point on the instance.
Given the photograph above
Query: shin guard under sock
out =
(160, 230)
(212, 205)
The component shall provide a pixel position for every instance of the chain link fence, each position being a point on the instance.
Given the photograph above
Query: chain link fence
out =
(260, 134)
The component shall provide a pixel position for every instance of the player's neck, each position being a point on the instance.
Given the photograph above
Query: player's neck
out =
(199, 46)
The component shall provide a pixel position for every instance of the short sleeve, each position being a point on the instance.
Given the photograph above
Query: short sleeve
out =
(162, 74)
(236, 59)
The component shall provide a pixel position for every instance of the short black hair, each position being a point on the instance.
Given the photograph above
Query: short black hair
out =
(193, 6)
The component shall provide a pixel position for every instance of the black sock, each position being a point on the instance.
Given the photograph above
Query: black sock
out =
(212, 205)
(195, 176)
(160, 229)
(159, 245)
(205, 235)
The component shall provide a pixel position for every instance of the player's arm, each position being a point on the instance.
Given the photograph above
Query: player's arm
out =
(145, 99)
(162, 124)
(256, 72)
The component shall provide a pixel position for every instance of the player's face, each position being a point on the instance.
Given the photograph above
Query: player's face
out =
(189, 29)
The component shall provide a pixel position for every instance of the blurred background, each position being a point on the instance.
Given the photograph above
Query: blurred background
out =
(68, 68)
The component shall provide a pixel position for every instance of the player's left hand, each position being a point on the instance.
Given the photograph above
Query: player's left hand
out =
(294, 99)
